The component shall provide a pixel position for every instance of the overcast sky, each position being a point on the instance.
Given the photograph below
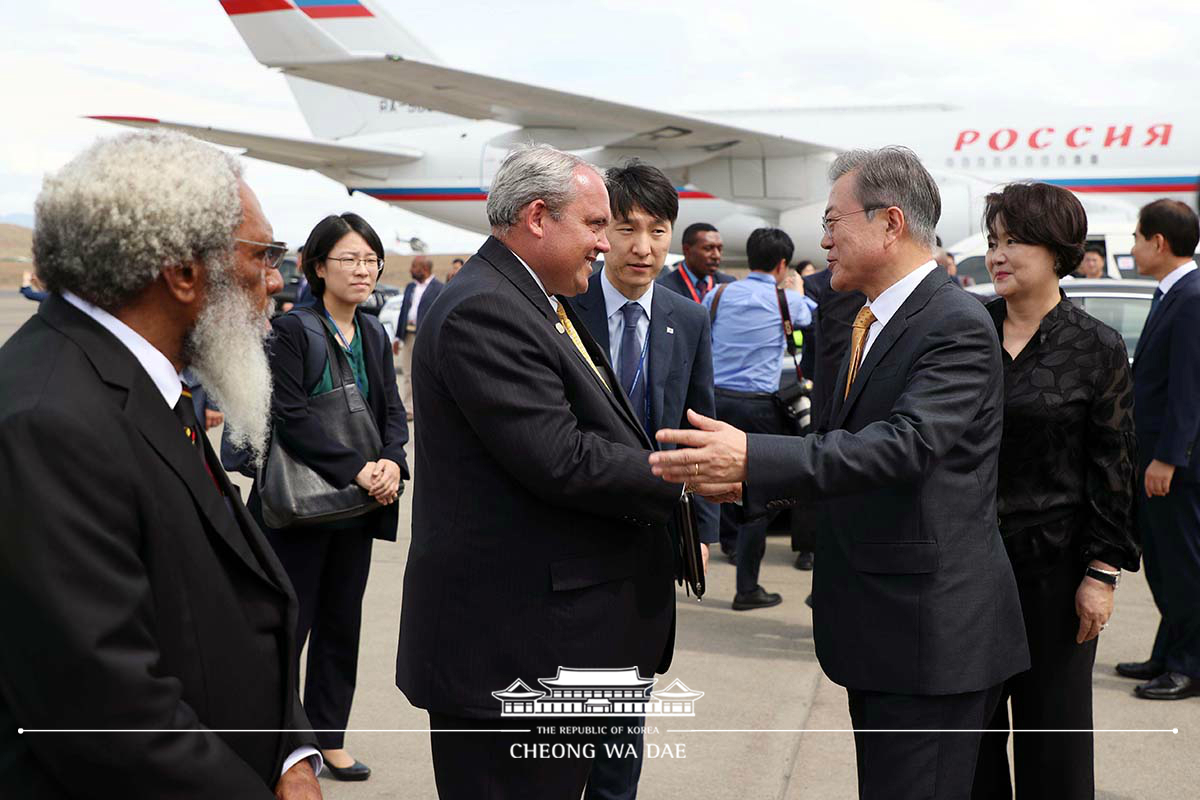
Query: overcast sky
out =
(182, 60)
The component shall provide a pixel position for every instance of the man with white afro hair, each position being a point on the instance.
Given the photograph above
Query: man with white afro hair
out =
(139, 594)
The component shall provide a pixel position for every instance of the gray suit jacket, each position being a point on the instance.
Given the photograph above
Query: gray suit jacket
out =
(913, 590)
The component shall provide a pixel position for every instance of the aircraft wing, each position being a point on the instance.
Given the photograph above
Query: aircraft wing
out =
(475, 96)
(303, 153)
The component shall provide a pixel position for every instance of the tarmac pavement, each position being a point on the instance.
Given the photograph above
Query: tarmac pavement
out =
(760, 678)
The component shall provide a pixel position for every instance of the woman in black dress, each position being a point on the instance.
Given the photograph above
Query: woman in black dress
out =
(1065, 488)
(328, 563)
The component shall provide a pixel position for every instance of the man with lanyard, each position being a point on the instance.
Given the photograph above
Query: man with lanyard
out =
(661, 351)
(748, 341)
(699, 272)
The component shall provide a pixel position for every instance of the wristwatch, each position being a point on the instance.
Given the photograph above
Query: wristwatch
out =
(1104, 576)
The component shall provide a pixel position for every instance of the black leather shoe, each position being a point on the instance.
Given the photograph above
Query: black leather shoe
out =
(357, 771)
(1140, 670)
(1168, 686)
(804, 560)
(759, 598)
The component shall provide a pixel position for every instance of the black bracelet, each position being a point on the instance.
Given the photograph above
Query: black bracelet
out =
(1104, 577)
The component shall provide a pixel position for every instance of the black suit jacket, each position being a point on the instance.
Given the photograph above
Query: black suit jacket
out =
(305, 436)
(833, 322)
(673, 280)
(679, 367)
(913, 590)
(431, 292)
(539, 534)
(1166, 382)
(136, 596)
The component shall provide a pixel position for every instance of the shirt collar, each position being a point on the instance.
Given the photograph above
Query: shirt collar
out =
(614, 301)
(553, 300)
(885, 306)
(1174, 275)
(696, 281)
(761, 277)
(157, 366)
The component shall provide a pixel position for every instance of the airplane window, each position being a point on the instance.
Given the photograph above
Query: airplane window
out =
(1012, 161)
(1078, 159)
(949, 162)
(1045, 161)
(966, 162)
(1029, 161)
(997, 161)
(1095, 159)
(1062, 160)
(1126, 314)
(982, 161)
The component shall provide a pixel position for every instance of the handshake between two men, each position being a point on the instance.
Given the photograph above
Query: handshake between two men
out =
(710, 459)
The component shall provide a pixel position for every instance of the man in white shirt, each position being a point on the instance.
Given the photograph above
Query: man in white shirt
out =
(418, 297)
(916, 610)
(1166, 417)
(141, 595)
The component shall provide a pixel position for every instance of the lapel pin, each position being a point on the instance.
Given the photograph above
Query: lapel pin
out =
(558, 326)
(670, 330)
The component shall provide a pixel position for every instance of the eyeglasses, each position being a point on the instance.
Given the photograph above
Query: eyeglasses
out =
(272, 254)
(350, 262)
(828, 222)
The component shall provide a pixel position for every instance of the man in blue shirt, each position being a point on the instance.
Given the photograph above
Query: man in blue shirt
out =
(748, 342)
(700, 271)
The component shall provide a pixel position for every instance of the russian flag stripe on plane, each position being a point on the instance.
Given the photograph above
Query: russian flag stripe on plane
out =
(329, 9)
(235, 7)
(427, 194)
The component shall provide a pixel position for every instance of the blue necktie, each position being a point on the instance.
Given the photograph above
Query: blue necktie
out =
(1158, 296)
(629, 359)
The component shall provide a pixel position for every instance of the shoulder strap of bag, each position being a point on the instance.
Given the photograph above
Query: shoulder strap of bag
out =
(788, 338)
(316, 354)
(712, 310)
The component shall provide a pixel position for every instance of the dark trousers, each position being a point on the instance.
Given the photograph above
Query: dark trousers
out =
(482, 763)
(615, 774)
(1170, 528)
(751, 412)
(328, 569)
(926, 764)
(1055, 694)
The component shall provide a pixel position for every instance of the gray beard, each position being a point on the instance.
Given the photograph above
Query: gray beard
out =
(227, 352)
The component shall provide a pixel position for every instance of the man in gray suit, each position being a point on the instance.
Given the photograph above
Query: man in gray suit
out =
(916, 608)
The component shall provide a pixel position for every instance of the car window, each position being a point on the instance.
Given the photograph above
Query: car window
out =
(1125, 314)
(974, 268)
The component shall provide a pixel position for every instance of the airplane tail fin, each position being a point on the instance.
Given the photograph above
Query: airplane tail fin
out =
(283, 32)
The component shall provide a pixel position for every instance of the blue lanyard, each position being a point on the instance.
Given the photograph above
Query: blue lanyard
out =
(345, 345)
(637, 376)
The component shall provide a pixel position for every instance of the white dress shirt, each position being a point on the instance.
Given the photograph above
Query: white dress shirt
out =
(170, 385)
(1172, 277)
(614, 301)
(418, 290)
(553, 300)
(885, 306)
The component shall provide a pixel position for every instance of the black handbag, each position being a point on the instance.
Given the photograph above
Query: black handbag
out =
(292, 493)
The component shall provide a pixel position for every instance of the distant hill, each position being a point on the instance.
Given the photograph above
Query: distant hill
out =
(16, 248)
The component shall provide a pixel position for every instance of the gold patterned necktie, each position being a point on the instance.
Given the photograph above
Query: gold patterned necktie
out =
(566, 323)
(858, 340)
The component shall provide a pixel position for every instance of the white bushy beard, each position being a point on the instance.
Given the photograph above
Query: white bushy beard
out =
(227, 352)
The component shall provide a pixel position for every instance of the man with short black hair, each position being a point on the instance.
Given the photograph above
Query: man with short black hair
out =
(748, 341)
(1093, 262)
(700, 270)
(660, 348)
(419, 295)
(455, 266)
(1166, 416)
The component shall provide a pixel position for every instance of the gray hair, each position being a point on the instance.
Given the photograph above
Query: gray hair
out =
(531, 172)
(121, 211)
(894, 176)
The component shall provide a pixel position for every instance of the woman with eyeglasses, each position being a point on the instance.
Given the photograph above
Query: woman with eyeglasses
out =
(328, 562)
(1064, 489)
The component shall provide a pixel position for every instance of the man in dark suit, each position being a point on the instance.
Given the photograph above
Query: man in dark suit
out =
(700, 271)
(916, 608)
(569, 562)
(418, 298)
(140, 595)
(1166, 390)
(661, 351)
